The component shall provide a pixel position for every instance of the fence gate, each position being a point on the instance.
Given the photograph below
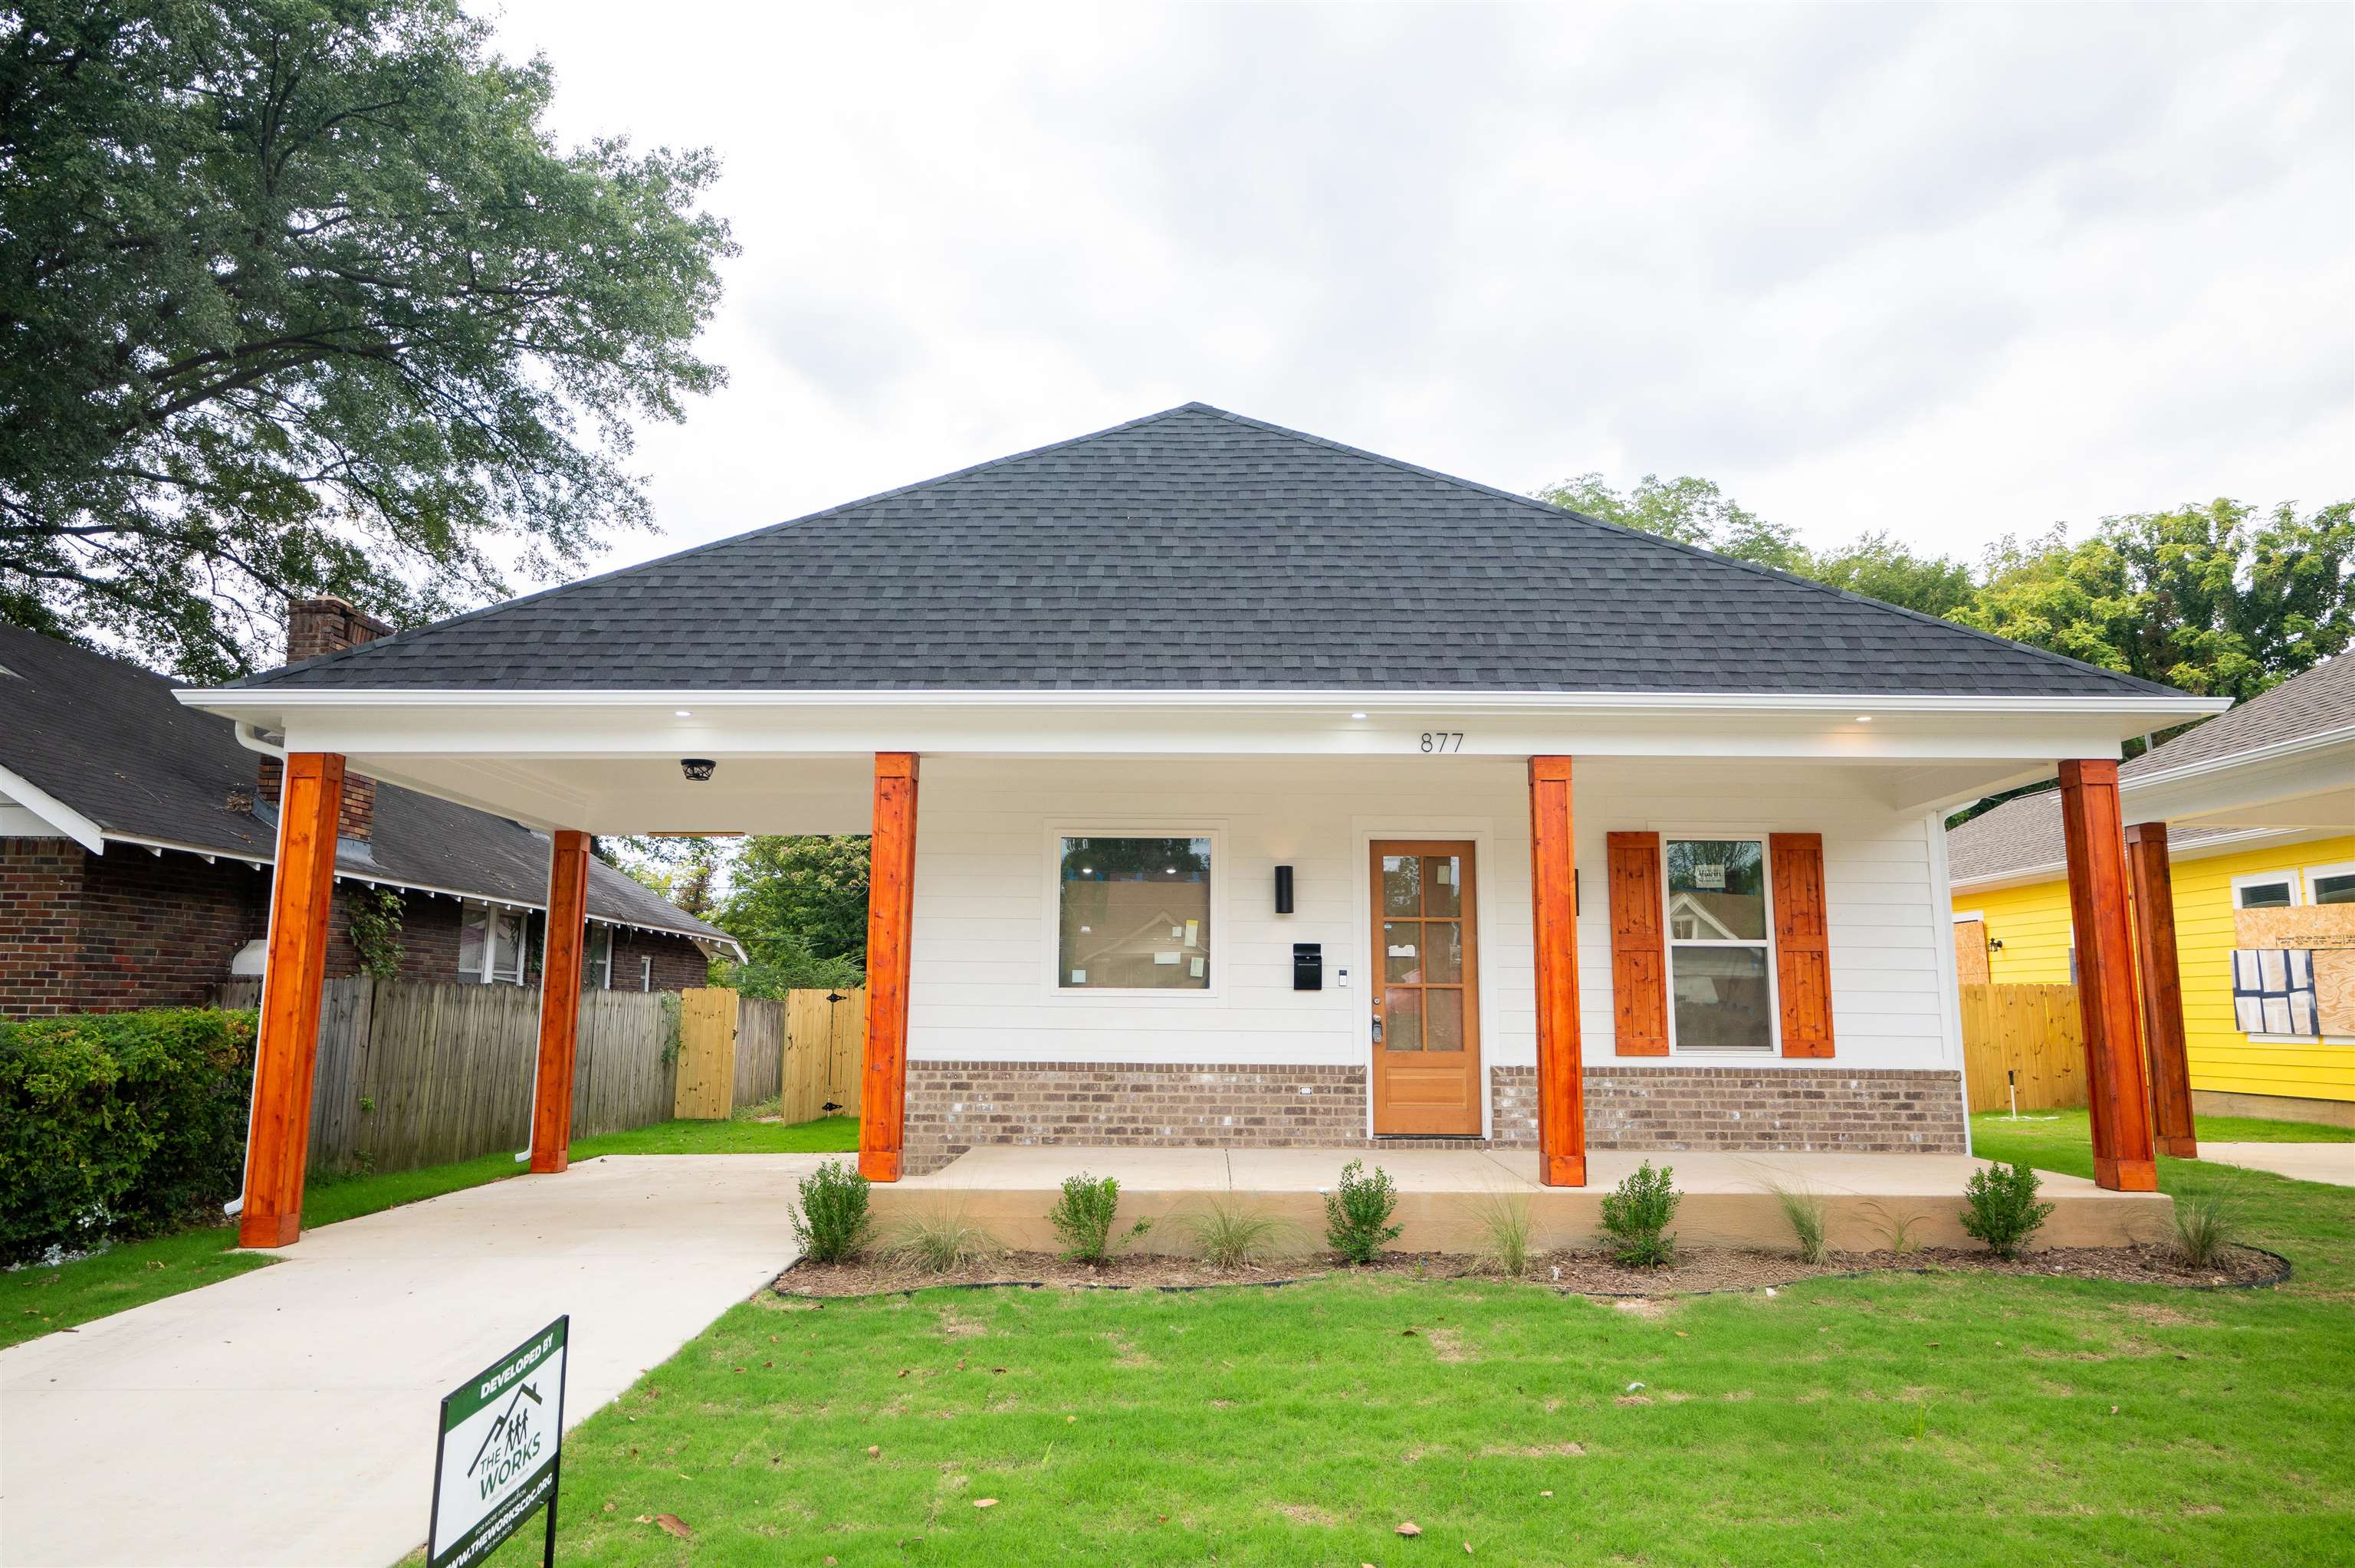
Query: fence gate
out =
(2031, 1033)
(707, 1053)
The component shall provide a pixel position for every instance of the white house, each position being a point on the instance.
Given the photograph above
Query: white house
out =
(1233, 786)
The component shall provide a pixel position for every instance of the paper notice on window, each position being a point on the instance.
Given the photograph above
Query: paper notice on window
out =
(1198, 969)
(1401, 949)
(1708, 877)
(1165, 957)
(1177, 930)
(1193, 933)
(1079, 977)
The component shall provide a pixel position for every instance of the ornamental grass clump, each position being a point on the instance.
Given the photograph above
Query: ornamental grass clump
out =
(1504, 1222)
(1358, 1214)
(2003, 1210)
(1083, 1216)
(2204, 1228)
(1809, 1220)
(1230, 1233)
(941, 1241)
(832, 1222)
(1638, 1213)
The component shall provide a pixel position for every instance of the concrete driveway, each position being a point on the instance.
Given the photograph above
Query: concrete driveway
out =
(287, 1415)
(2332, 1162)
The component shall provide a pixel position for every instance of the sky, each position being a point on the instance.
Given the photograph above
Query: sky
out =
(1948, 272)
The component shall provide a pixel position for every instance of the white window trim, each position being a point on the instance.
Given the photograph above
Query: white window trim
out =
(1051, 921)
(1965, 917)
(1671, 942)
(490, 912)
(2266, 878)
(2315, 873)
(645, 972)
(603, 971)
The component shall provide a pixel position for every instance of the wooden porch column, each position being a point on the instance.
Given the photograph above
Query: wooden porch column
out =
(2162, 988)
(302, 888)
(560, 1003)
(1562, 1102)
(890, 910)
(2124, 1158)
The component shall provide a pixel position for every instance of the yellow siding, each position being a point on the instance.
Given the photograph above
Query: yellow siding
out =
(2032, 924)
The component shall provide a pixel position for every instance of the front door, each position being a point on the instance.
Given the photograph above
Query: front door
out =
(1426, 991)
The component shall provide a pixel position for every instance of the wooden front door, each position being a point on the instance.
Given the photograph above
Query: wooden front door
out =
(1426, 990)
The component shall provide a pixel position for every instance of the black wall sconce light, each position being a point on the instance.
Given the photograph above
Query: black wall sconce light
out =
(697, 768)
(1284, 890)
(1995, 944)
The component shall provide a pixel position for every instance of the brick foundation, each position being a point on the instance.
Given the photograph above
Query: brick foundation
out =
(953, 1106)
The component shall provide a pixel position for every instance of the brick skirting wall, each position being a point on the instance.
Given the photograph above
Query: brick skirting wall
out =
(956, 1106)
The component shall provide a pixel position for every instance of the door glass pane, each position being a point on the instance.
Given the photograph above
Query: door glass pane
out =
(1402, 951)
(1717, 890)
(1443, 944)
(1402, 1019)
(1443, 1023)
(1402, 884)
(1442, 885)
(1721, 999)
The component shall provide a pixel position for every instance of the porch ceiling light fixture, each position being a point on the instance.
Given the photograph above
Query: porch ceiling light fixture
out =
(697, 768)
(1864, 718)
(681, 712)
(1356, 715)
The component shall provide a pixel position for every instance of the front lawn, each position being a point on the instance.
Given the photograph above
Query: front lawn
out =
(1895, 1419)
(35, 1300)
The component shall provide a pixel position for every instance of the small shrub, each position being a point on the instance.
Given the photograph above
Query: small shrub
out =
(1230, 1233)
(1083, 1217)
(1896, 1230)
(1503, 1221)
(2003, 1210)
(832, 1222)
(119, 1124)
(1638, 1213)
(1358, 1214)
(939, 1241)
(2204, 1227)
(1806, 1215)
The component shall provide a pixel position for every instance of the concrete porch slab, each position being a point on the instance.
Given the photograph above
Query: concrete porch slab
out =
(2331, 1163)
(1729, 1199)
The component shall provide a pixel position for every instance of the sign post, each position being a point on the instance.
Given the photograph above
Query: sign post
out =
(499, 1452)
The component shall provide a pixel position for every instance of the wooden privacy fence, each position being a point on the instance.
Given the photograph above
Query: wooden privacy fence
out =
(2032, 1032)
(413, 1073)
(804, 1049)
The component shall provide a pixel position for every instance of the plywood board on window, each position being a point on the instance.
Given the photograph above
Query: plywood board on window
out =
(2308, 926)
(2334, 989)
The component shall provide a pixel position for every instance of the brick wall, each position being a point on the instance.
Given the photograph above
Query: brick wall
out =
(956, 1106)
(429, 935)
(84, 933)
(678, 963)
(40, 922)
(316, 627)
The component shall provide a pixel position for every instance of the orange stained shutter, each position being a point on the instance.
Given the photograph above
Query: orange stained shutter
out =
(1803, 972)
(1639, 983)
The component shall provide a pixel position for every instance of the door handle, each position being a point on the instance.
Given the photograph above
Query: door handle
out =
(1378, 1029)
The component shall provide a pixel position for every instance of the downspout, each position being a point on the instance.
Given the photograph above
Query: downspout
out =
(252, 739)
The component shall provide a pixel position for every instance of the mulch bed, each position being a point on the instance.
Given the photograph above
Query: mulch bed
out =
(1696, 1271)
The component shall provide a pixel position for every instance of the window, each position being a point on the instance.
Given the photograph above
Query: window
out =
(2266, 890)
(597, 964)
(645, 972)
(490, 945)
(2330, 884)
(1720, 955)
(1132, 914)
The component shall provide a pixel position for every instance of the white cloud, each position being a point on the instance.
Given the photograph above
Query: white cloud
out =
(1950, 271)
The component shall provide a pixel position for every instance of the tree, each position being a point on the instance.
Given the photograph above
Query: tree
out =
(299, 296)
(1688, 510)
(799, 899)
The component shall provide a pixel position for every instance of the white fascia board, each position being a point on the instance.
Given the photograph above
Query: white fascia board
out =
(721, 725)
(54, 812)
(2312, 766)
(2199, 849)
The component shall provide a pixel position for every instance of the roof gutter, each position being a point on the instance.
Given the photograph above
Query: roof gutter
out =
(2278, 751)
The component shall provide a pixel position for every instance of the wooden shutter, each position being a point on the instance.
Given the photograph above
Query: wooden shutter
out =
(1802, 951)
(1639, 982)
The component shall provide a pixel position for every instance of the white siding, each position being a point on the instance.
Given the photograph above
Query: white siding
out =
(983, 953)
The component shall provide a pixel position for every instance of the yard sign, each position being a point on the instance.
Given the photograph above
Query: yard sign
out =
(499, 1455)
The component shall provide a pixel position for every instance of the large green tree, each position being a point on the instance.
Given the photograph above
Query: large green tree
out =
(802, 897)
(300, 296)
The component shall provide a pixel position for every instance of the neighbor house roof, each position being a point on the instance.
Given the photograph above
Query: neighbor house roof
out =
(2023, 835)
(104, 740)
(1196, 549)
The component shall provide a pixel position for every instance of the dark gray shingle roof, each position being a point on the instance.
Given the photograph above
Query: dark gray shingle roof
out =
(2025, 834)
(108, 740)
(1198, 549)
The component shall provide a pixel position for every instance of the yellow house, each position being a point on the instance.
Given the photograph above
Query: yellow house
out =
(2259, 806)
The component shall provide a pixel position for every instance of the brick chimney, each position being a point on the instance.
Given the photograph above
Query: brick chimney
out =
(316, 625)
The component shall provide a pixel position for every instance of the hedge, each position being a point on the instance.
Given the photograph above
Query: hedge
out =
(119, 1124)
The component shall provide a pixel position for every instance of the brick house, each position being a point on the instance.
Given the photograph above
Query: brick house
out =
(137, 836)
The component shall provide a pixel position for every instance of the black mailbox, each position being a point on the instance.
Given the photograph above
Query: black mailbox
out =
(1307, 965)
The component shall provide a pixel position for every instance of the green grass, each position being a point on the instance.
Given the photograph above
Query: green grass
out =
(35, 1301)
(1901, 1419)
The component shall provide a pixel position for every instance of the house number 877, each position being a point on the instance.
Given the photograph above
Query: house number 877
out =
(1439, 740)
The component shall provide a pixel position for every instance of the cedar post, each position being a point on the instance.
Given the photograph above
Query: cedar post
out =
(2124, 1158)
(2162, 988)
(1561, 1110)
(302, 889)
(560, 1002)
(890, 910)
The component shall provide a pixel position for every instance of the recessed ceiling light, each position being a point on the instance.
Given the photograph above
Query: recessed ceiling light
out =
(682, 713)
(1356, 715)
(1864, 718)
